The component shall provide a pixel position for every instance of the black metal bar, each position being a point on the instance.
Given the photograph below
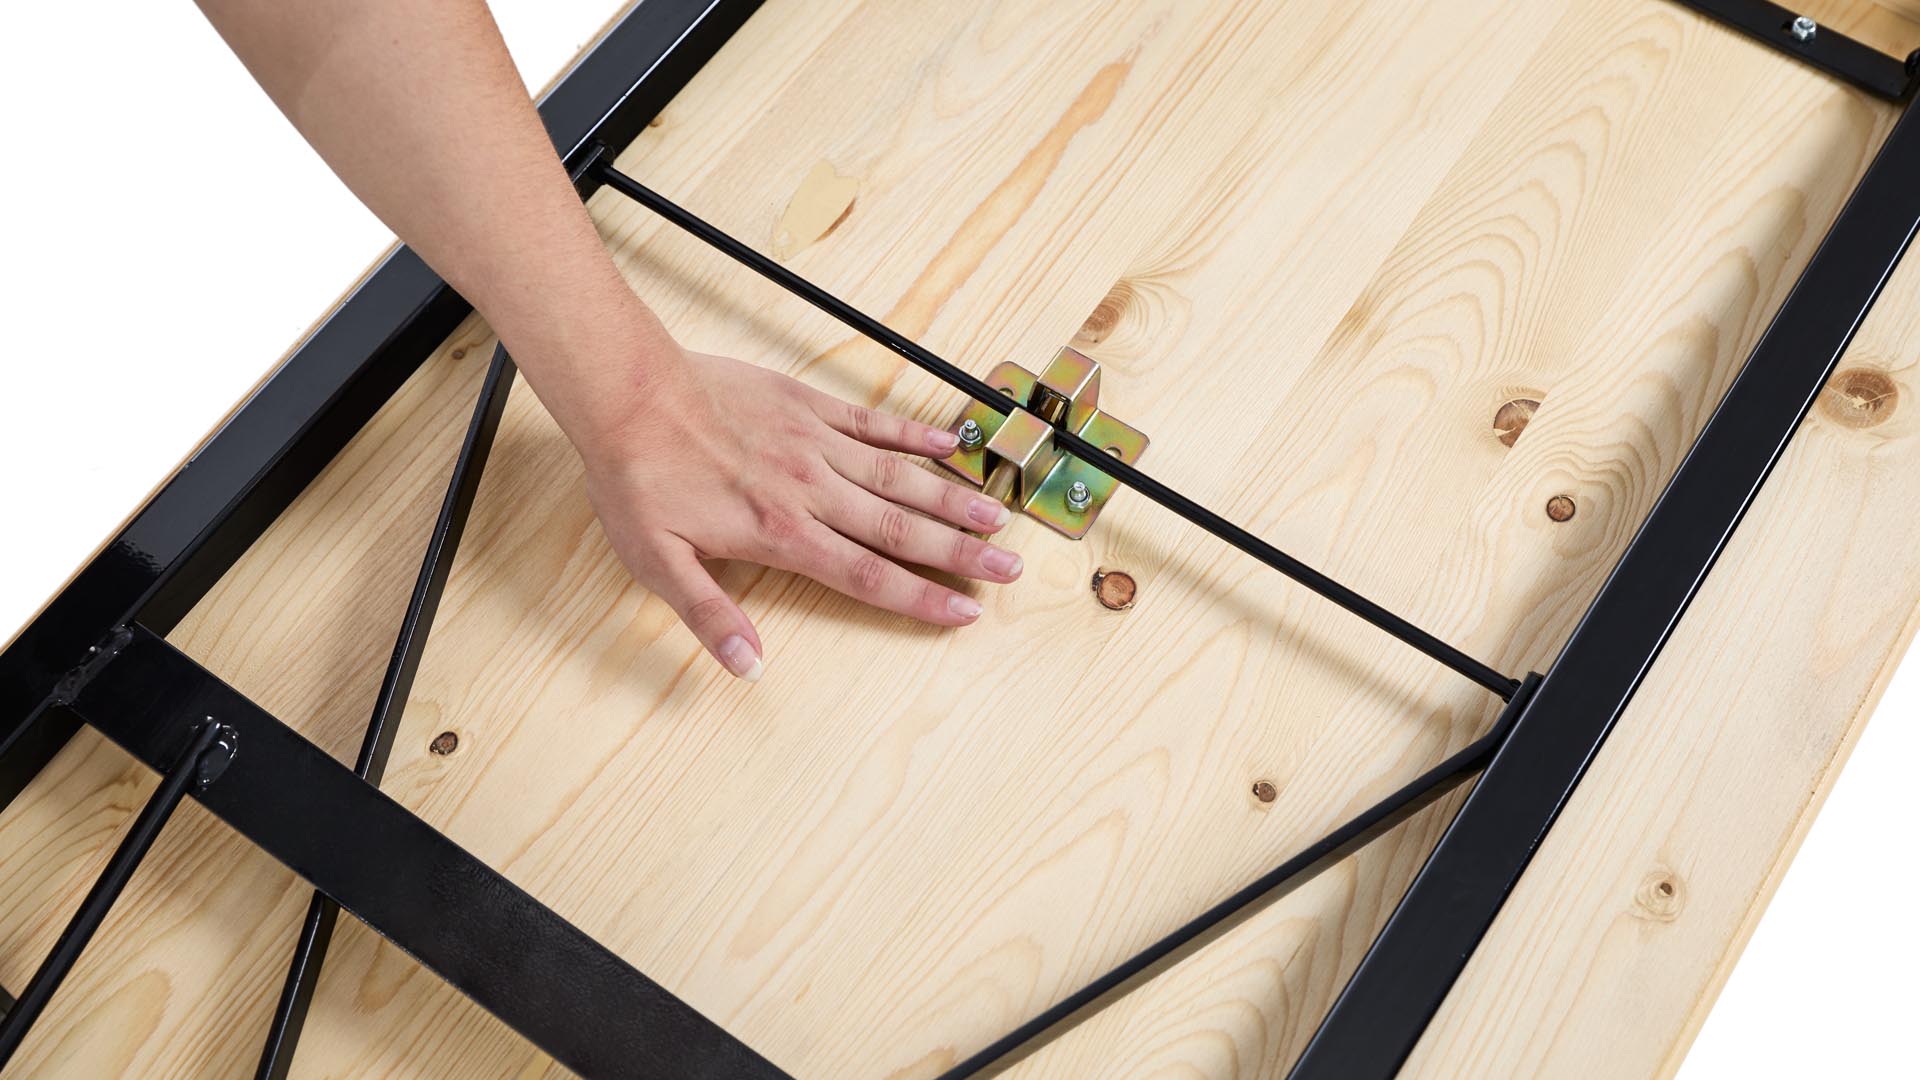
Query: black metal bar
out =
(1822, 47)
(1405, 631)
(1413, 964)
(210, 511)
(1224, 916)
(316, 930)
(205, 757)
(565, 992)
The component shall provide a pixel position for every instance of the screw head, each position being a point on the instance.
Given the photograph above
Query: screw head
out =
(1803, 28)
(1078, 497)
(970, 435)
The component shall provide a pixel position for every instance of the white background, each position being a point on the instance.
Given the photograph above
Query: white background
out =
(154, 271)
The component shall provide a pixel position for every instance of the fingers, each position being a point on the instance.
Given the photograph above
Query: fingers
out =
(708, 611)
(880, 429)
(893, 530)
(872, 578)
(895, 479)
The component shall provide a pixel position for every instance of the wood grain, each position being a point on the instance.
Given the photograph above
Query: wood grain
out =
(1319, 247)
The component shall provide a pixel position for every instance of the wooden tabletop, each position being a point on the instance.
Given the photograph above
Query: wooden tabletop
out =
(1434, 296)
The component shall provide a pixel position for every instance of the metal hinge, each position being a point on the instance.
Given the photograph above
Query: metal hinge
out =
(1015, 459)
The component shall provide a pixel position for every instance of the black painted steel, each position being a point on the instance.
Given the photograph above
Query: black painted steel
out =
(316, 930)
(1827, 49)
(192, 530)
(1421, 951)
(961, 380)
(575, 998)
(1224, 916)
(183, 772)
(567, 993)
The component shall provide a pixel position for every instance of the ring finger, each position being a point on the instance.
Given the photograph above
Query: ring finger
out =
(894, 530)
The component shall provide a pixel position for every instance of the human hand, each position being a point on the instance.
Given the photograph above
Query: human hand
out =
(727, 460)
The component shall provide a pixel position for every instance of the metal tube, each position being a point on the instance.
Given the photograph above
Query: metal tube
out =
(1483, 674)
(106, 889)
(316, 930)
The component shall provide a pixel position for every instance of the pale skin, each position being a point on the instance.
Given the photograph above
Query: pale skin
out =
(689, 457)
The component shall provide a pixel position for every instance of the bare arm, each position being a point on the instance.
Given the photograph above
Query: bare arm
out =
(417, 107)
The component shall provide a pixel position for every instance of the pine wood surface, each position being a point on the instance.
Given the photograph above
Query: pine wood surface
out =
(1330, 255)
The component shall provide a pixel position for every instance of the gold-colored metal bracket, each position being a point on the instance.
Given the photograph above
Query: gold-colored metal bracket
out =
(1014, 457)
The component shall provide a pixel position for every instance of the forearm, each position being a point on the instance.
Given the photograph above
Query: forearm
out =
(689, 457)
(417, 107)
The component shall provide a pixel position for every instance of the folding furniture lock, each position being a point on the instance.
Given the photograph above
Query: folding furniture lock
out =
(1015, 459)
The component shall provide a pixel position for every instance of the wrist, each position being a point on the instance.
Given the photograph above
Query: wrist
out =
(598, 371)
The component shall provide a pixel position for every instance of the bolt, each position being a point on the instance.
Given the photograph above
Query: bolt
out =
(1804, 28)
(1078, 497)
(970, 435)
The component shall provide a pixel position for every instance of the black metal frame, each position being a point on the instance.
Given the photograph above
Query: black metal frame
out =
(97, 653)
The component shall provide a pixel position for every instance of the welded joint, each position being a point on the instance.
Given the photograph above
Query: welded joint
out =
(208, 753)
(67, 690)
(213, 754)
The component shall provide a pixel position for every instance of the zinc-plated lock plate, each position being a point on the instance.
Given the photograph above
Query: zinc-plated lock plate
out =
(1070, 372)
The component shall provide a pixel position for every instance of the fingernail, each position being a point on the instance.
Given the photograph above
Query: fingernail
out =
(988, 512)
(943, 442)
(740, 659)
(1000, 561)
(964, 607)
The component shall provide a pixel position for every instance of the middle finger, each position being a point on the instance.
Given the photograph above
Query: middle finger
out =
(894, 530)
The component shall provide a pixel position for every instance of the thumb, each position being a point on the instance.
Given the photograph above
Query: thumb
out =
(708, 611)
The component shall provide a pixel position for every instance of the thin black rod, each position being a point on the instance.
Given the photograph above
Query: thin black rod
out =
(106, 889)
(316, 931)
(974, 388)
(1235, 910)
(1411, 967)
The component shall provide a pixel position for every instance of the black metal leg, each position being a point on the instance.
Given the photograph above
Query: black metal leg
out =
(316, 930)
(202, 762)
(1425, 944)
